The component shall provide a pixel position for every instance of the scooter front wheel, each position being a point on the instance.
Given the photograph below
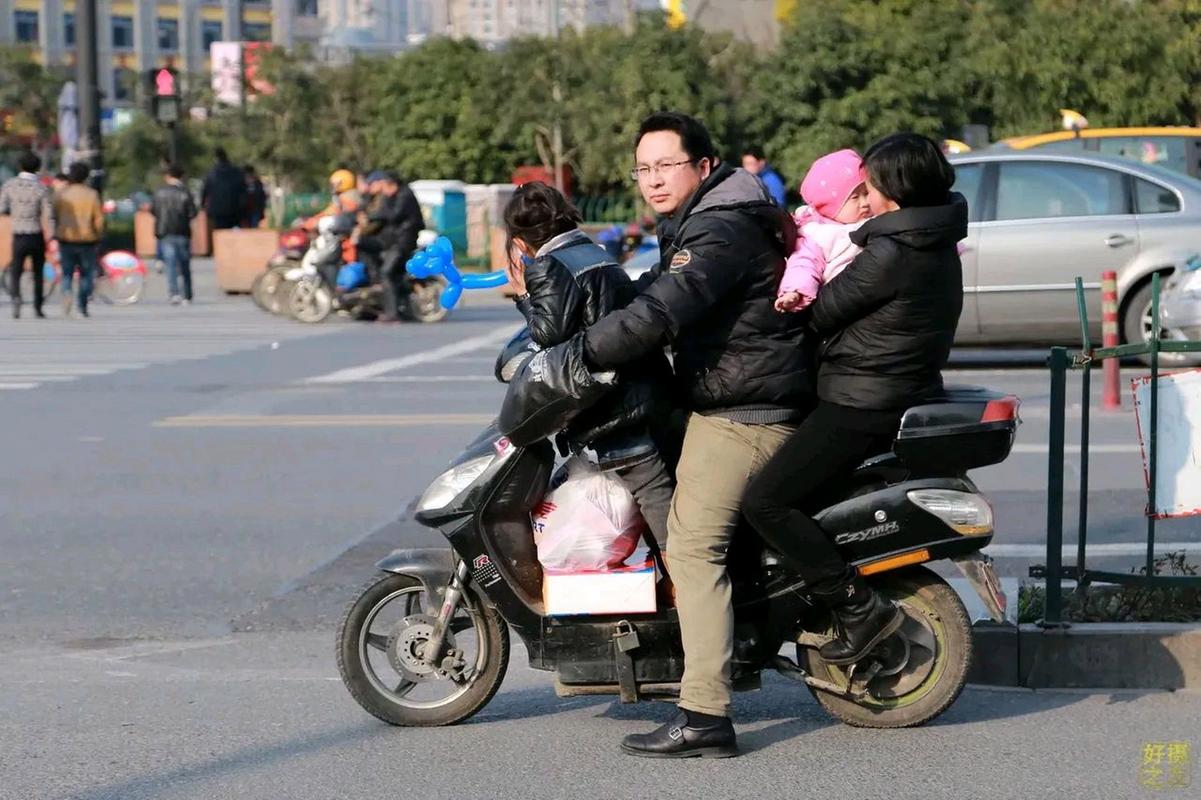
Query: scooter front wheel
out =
(913, 675)
(380, 649)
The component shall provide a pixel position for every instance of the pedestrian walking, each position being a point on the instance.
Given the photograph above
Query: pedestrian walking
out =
(224, 194)
(80, 228)
(30, 206)
(755, 162)
(173, 210)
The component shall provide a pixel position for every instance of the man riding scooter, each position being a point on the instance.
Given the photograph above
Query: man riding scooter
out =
(388, 237)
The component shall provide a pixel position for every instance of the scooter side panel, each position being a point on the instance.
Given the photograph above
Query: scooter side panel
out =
(885, 521)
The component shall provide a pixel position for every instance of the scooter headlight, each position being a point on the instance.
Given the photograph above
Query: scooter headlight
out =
(966, 513)
(450, 484)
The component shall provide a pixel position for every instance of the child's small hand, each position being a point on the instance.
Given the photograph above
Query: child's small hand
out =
(792, 301)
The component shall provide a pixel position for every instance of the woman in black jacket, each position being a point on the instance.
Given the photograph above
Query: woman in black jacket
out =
(886, 323)
(566, 282)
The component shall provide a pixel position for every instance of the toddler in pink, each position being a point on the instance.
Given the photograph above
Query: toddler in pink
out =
(835, 195)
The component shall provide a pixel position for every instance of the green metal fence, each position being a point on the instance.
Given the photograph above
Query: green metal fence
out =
(1055, 572)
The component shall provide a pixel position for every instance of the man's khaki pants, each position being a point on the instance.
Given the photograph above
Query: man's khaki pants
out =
(719, 458)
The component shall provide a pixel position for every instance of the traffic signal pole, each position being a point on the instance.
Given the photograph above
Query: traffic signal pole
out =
(91, 147)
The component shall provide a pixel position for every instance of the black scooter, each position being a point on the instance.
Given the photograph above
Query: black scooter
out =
(428, 642)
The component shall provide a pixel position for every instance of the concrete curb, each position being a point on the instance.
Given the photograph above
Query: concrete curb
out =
(1102, 655)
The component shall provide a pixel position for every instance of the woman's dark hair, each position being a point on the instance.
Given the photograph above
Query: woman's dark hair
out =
(910, 170)
(29, 162)
(693, 135)
(538, 213)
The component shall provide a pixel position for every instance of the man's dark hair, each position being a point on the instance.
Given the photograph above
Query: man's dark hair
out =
(78, 172)
(60, 176)
(756, 151)
(221, 155)
(174, 171)
(538, 213)
(248, 169)
(693, 135)
(909, 169)
(29, 162)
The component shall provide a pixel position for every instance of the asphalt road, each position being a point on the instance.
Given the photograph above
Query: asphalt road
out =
(191, 496)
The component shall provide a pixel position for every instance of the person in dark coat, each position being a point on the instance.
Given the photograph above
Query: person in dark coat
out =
(256, 198)
(741, 371)
(223, 197)
(886, 323)
(391, 224)
(564, 282)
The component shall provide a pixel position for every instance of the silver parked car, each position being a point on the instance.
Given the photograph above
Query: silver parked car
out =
(1038, 220)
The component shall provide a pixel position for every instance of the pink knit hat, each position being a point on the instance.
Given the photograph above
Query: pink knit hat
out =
(831, 180)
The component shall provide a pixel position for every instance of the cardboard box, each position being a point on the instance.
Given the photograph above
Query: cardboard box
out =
(623, 590)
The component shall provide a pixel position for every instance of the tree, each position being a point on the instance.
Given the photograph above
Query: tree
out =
(1115, 61)
(30, 92)
(851, 71)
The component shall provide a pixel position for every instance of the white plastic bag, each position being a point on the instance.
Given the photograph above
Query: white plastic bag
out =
(588, 520)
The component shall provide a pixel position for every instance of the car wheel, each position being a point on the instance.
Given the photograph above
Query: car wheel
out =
(1137, 325)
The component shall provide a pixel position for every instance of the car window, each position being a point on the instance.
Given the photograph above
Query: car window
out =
(967, 183)
(1164, 151)
(1151, 198)
(1038, 189)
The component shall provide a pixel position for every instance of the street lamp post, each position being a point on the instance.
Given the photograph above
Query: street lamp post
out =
(87, 76)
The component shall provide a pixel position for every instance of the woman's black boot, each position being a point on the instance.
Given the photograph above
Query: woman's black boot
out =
(864, 619)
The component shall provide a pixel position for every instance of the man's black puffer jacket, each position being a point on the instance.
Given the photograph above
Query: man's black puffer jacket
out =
(571, 284)
(888, 320)
(712, 295)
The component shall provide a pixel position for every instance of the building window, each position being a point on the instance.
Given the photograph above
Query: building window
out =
(306, 8)
(168, 34)
(122, 33)
(256, 32)
(25, 26)
(69, 30)
(123, 83)
(210, 31)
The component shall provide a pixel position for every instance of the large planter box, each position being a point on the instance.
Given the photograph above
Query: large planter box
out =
(240, 254)
(144, 241)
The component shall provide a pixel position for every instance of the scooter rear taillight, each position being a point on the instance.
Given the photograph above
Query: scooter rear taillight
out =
(1003, 409)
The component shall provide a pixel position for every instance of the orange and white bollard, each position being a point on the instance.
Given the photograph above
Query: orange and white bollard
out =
(1111, 397)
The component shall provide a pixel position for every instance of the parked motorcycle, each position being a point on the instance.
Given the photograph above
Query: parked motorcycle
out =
(427, 643)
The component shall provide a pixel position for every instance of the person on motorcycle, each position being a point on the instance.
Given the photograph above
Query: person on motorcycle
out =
(564, 281)
(887, 323)
(742, 373)
(390, 236)
(346, 200)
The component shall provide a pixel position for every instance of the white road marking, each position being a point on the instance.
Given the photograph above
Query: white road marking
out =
(1099, 549)
(377, 368)
(1099, 449)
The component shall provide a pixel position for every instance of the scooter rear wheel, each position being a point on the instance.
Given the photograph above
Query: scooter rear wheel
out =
(921, 676)
(379, 655)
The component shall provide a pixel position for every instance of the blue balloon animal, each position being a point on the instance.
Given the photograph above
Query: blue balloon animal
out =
(439, 260)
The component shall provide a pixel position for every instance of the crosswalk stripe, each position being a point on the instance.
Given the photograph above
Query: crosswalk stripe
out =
(56, 351)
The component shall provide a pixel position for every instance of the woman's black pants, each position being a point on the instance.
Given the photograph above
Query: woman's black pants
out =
(805, 475)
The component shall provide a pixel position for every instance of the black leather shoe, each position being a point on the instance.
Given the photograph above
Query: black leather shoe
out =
(864, 619)
(677, 739)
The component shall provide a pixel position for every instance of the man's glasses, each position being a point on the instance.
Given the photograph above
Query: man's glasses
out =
(642, 172)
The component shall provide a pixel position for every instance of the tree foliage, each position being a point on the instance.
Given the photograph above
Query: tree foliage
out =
(845, 73)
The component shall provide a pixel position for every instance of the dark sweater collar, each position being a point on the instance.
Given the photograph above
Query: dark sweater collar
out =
(919, 226)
